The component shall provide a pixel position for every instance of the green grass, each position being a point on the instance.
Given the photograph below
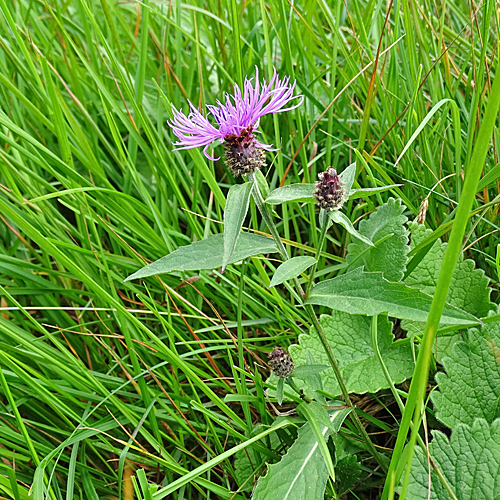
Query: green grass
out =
(100, 376)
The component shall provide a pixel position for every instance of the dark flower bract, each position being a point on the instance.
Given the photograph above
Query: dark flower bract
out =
(281, 363)
(329, 193)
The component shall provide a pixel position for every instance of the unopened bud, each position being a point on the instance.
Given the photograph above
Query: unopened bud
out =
(329, 193)
(281, 363)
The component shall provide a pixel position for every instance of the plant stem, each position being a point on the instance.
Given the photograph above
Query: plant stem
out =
(324, 223)
(399, 401)
(266, 215)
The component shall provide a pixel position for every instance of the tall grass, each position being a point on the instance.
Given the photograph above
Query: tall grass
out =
(99, 377)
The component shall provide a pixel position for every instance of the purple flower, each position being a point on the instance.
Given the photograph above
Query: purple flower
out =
(236, 121)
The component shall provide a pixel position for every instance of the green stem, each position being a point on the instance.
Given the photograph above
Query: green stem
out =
(324, 222)
(416, 396)
(266, 215)
(399, 401)
(293, 385)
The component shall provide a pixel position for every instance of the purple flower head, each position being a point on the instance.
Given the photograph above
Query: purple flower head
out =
(236, 121)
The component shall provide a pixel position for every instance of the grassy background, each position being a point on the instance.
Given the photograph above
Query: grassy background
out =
(91, 190)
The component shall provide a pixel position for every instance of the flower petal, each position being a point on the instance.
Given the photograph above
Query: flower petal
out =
(193, 130)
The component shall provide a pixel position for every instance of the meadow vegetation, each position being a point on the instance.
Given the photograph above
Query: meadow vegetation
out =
(160, 387)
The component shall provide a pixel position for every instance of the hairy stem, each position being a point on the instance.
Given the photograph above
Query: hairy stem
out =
(324, 223)
(266, 215)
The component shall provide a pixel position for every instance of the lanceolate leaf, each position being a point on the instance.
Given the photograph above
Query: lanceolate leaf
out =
(469, 463)
(206, 254)
(361, 193)
(318, 418)
(238, 200)
(359, 292)
(301, 474)
(292, 192)
(347, 176)
(340, 218)
(291, 269)
(262, 183)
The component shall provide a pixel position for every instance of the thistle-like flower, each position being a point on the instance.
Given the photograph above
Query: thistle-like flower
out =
(281, 363)
(330, 193)
(236, 122)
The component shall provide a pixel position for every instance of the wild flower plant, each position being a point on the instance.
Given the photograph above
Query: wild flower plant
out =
(367, 290)
(236, 122)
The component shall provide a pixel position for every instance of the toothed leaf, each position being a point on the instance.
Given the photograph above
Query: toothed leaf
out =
(469, 462)
(470, 387)
(468, 290)
(390, 256)
(350, 339)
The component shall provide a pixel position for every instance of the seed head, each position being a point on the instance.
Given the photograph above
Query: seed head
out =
(281, 363)
(330, 193)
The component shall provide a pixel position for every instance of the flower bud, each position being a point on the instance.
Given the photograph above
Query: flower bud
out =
(330, 193)
(281, 363)
(243, 154)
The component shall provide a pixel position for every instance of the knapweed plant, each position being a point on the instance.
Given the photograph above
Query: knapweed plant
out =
(394, 281)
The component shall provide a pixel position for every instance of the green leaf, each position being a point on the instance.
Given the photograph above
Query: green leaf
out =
(173, 486)
(248, 462)
(318, 419)
(238, 200)
(206, 254)
(470, 388)
(262, 183)
(469, 462)
(347, 177)
(350, 339)
(291, 269)
(468, 290)
(390, 257)
(489, 177)
(340, 218)
(348, 472)
(292, 192)
(306, 371)
(361, 193)
(359, 292)
(279, 390)
(301, 474)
